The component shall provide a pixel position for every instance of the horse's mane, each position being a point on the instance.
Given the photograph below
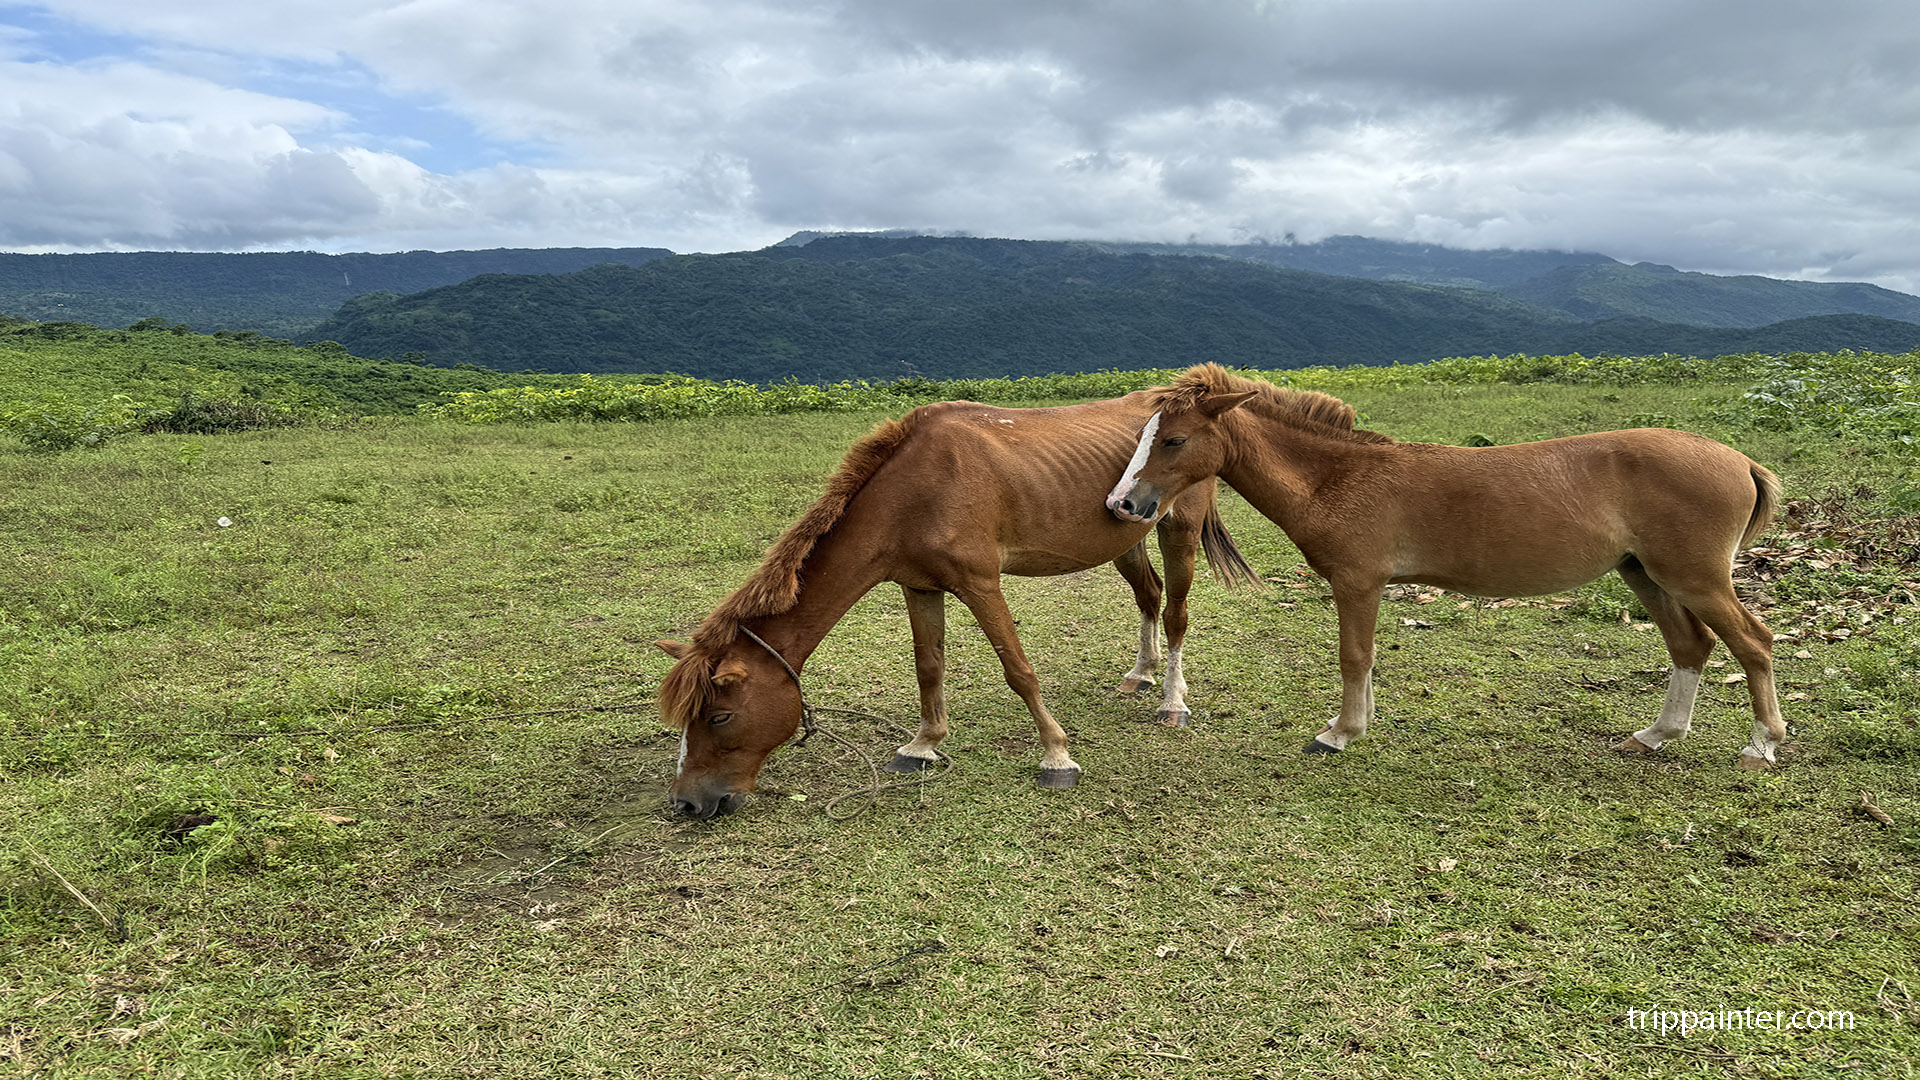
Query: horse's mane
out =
(1307, 409)
(774, 587)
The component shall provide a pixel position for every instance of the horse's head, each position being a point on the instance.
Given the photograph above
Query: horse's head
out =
(732, 710)
(1178, 448)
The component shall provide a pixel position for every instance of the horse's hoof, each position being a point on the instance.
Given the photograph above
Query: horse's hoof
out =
(1132, 685)
(1172, 717)
(903, 763)
(1059, 779)
(1753, 762)
(1315, 746)
(1632, 745)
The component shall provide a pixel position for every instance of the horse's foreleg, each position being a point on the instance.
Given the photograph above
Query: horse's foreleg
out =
(1688, 643)
(927, 612)
(1359, 607)
(1147, 590)
(1178, 545)
(989, 607)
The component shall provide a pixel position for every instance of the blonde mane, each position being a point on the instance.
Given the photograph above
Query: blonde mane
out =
(774, 587)
(1308, 409)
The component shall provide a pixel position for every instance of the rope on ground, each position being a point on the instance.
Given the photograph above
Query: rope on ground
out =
(877, 787)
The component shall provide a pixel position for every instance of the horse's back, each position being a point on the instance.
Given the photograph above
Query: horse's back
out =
(1532, 518)
(1025, 484)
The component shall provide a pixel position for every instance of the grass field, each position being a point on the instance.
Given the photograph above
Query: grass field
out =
(368, 782)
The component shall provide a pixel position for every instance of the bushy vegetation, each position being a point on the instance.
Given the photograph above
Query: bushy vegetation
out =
(1862, 394)
(67, 385)
(70, 384)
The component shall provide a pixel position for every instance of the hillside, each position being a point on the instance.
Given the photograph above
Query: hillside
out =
(1386, 260)
(287, 294)
(1343, 256)
(1652, 291)
(278, 293)
(75, 364)
(940, 308)
(875, 307)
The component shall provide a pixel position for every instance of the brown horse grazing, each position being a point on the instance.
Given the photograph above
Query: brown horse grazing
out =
(1666, 509)
(945, 500)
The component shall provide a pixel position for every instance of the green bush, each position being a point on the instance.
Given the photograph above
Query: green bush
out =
(58, 424)
(197, 415)
(1872, 394)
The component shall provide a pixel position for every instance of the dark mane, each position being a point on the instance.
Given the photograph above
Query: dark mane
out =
(774, 587)
(1307, 409)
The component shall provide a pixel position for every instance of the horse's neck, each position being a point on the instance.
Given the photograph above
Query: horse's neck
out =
(832, 579)
(1278, 467)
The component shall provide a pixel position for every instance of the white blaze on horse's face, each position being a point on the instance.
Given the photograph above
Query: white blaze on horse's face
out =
(1118, 496)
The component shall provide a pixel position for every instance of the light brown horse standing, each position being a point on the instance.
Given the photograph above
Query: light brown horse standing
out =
(945, 500)
(1666, 509)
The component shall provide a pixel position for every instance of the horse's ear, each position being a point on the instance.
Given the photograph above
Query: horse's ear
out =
(675, 649)
(730, 671)
(1220, 403)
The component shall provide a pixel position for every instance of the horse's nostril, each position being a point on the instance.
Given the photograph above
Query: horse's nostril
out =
(685, 806)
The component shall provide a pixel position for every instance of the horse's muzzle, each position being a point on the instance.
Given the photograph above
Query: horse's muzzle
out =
(1126, 508)
(704, 802)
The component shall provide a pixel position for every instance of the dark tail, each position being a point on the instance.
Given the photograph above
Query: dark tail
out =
(1766, 502)
(1228, 564)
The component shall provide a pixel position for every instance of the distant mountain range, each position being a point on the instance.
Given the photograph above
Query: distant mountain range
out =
(884, 307)
(1651, 291)
(279, 293)
(830, 306)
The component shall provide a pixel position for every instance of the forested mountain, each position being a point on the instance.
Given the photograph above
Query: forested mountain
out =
(1345, 256)
(1649, 290)
(884, 305)
(280, 293)
(949, 308)
(1386, 260)
(1582, 284)
(876, 307)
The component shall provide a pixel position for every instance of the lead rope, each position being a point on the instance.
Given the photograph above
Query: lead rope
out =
(810, 723)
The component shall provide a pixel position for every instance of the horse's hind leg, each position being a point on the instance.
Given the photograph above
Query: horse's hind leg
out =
(1179, 542)
(1137, 568)
(989, 607)
(927, 612)
(1752, 644)
(1688, 643)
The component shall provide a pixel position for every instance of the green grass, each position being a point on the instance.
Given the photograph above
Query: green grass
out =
(399, 611)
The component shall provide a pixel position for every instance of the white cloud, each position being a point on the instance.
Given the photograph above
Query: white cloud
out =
(1731, 135)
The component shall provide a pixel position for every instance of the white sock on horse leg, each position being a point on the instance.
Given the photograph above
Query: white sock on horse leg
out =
(1676, 714)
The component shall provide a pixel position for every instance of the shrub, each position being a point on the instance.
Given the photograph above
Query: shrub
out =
(197, 415)
(58, 424)
(1872, 394)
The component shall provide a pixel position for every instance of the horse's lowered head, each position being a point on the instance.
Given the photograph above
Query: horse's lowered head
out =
(733, 706)
(1181, 445)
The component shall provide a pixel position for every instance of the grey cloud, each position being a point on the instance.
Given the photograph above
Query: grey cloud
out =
(1758, 136)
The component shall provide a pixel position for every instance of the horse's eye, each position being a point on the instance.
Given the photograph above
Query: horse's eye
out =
(719, 718)
(1175, 440)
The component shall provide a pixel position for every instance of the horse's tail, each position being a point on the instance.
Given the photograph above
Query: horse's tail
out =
(1766, 502)
(1223, 556)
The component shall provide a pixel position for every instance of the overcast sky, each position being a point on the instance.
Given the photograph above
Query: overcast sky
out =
(1730, 136)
